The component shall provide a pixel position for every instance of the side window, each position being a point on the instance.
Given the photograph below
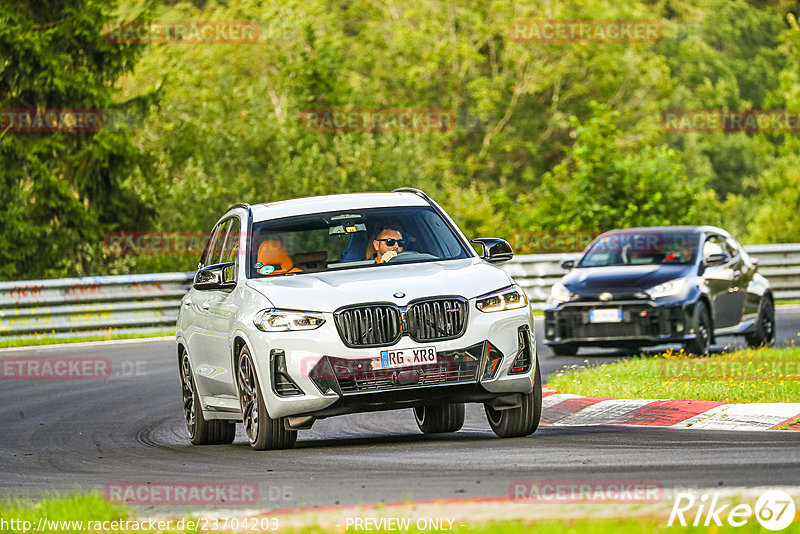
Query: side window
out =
(230, 250)
(732, 247)
(713, 245)
(208, 254)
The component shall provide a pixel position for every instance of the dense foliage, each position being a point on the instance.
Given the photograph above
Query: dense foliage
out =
(547, 136)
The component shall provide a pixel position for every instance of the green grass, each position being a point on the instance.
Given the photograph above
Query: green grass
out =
(56, 341)
(76, 507)
(752, 375)
(92, 507)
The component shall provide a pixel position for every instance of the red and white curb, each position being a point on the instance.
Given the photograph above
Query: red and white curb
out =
(563, 409)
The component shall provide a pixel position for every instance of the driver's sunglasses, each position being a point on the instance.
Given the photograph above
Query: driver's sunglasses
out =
(391, 242)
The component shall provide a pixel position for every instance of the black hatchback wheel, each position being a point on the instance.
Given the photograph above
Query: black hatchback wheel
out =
(702, 330)
(765, 327)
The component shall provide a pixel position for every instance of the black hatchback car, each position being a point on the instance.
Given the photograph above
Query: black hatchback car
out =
(660, 285)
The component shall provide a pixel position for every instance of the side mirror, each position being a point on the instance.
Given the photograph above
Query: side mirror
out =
(495, 250)
(717, 259)
(568, 264)
(214, 277)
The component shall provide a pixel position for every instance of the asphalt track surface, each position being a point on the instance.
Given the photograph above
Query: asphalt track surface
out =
(81, 435)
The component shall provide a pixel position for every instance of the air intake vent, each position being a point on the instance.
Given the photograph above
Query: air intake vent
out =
(370, 325)
(437, 320)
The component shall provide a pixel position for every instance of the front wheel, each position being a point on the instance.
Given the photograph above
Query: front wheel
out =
(765, 329)
(702, 339)
(440, 418)
(201, 431)
(520, 421)
(262, 431)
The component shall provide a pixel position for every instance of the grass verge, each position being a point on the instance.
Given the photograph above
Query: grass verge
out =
(81, 513)
(751, 375)
(57, 341)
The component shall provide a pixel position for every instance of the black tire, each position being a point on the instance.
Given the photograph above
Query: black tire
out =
(201, 431)
(440, 418)
(564, 350)
(702, 320)
(263, 432)
(521, 421)
(765, 327)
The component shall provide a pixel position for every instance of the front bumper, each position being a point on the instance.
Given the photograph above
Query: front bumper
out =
(315, 373)
(644, 323)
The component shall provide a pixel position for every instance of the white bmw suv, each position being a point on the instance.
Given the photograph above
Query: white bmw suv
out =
(315, 307)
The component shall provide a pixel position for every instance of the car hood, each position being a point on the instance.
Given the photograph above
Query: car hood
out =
(328, 291)
(593, 280)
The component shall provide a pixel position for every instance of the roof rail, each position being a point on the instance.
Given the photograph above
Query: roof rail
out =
(418, 192)
(241, 205)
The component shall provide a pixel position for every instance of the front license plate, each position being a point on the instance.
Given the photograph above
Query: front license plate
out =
(407, 357)
(611, 315)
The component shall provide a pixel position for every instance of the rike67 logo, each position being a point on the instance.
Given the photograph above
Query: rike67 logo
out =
(774, 510)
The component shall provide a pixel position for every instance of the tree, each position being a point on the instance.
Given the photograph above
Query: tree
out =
(600, 185)
(62, 190)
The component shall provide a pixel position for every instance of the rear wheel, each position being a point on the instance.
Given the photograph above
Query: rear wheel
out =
(201, 431)
(765, 328)
(520, 421)
(262, 431)
(564, 350)
(702, 330)
(440, 418)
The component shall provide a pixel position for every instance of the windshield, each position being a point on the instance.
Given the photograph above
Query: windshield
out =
(641, 247)
(347, 239)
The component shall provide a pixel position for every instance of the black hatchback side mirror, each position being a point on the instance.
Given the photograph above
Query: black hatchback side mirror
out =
(495, 250)
(568, 264)
(214, 276)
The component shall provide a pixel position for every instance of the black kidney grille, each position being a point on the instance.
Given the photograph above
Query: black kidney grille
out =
(369, 326)
(435, 320)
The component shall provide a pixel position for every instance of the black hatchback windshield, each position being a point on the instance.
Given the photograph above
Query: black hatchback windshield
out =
(346, 239)
(641, 247)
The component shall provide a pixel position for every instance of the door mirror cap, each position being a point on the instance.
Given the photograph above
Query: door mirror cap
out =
(213, 277)
(717, 259)
(568, 264)
(495, 250)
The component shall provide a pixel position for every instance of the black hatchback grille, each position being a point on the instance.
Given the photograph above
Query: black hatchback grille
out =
(375, 325)
(436, 320)
(369, 326)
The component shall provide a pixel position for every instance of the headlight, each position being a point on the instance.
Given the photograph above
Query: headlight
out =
(560, 293)
(509, 298)
(667, 289)
(286, 320)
